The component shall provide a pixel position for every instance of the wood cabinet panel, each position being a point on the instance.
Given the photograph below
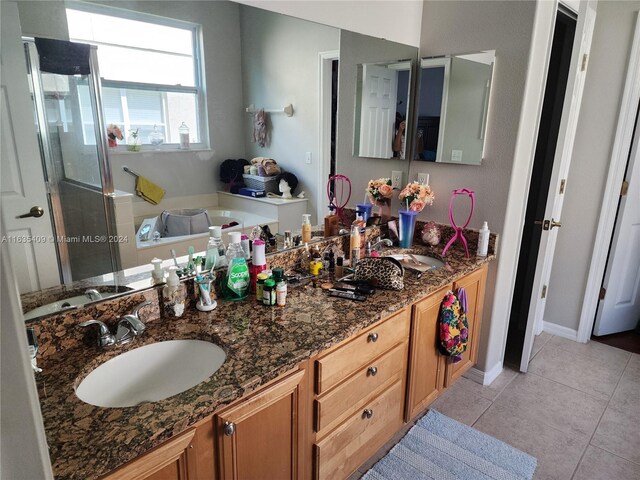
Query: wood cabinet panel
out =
(266, 437)
(426, 364)
(361, 387)
(173, 460)
(353, 442)
(348, 358)
(474, 284)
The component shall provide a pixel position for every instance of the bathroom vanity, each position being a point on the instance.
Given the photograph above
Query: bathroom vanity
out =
(311, 390)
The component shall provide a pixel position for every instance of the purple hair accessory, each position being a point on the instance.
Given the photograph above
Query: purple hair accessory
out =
(459, 235)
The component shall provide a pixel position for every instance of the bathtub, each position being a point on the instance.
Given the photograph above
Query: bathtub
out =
(148, 249)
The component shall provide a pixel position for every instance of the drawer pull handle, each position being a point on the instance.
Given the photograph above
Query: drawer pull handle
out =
(229, 428)
(372, 371)
(368, 413)
(373, 337)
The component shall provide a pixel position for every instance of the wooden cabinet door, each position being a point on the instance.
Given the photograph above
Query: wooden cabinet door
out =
(262, 437)
(426, 365)
(176, 459)
(474, 284)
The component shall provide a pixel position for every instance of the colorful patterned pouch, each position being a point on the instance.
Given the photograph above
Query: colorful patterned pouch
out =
(454, 328)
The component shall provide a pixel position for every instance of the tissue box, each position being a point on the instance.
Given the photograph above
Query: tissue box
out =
(252, 192)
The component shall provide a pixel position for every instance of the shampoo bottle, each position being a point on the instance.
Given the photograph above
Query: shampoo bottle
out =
(354, 246)
(174, 294)
(483, 240)
(306, 228)
(236, 284)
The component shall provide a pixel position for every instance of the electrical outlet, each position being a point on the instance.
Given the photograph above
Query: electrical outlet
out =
(307, 159)
(423, 178)
(396, 178)
(456, 156)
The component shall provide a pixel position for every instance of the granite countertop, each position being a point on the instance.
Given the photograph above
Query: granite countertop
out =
(261, 343)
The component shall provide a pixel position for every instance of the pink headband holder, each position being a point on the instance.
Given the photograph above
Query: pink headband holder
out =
(459, 235)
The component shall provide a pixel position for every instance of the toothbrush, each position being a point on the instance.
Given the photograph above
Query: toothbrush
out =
(175, 260)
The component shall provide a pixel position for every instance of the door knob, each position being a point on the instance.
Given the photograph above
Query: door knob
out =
(553, 223)
(34, 212)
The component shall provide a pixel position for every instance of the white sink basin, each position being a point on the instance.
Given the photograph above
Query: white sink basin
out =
(419, 262)
(151, 373)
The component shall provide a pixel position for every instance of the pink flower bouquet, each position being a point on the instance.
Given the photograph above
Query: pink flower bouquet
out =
(380, 191)
(415, 196)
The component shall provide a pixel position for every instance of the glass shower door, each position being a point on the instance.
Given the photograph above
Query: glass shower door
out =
(73, 157)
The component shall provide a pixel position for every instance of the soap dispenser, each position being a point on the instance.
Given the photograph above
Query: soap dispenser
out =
(174, 294)
(157, 274)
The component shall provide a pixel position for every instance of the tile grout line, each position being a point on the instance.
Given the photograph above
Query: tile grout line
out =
(577, 389)
(599, 421)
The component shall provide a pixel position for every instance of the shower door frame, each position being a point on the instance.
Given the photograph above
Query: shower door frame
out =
(52, 178)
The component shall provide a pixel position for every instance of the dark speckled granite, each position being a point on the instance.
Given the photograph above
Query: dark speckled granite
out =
(261, 343)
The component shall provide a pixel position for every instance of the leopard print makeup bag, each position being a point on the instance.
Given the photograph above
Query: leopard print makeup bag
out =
(380, 272)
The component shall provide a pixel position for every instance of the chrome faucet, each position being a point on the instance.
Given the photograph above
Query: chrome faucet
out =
(376, 247)
(93, 294)
(129, 326)
(105, 337)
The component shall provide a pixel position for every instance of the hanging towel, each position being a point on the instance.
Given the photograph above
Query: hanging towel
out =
(461, 293)
(454, 328)
(62, 57)
(149, 191)
(260, 127)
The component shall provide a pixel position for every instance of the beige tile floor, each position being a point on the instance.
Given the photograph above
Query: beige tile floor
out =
(577, 411)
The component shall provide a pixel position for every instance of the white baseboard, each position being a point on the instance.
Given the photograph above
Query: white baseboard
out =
(484, 378)
(560, 331)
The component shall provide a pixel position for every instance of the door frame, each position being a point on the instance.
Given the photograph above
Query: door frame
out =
(562, 161)
(617, 165)
(325, 61)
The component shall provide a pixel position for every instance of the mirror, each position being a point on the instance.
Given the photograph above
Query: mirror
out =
(252, 56)
(452, 106)
(382, 107)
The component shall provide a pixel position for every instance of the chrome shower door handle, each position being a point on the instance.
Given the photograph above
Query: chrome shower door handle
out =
(34, 212)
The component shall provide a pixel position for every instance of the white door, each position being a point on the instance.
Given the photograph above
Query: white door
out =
(379, 96)
(30, 240)
(561, 163)
(620, 309)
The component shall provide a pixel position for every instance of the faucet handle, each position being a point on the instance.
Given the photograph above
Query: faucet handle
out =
(136, 309)
(105, 338)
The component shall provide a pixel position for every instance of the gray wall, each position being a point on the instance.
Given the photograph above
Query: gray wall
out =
(280, 66)
(596, 130)
(179, 173)
(356, 49)
(505, 27)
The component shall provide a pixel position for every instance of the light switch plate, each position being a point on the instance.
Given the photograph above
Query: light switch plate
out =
(396, 178)
(307, 159)
(456, 156)
(422, 178)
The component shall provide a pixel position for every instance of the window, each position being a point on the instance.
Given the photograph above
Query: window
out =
(150, 73)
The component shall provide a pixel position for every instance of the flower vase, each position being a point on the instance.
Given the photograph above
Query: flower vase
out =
(364, 209)
(407, 220)
(133, 142)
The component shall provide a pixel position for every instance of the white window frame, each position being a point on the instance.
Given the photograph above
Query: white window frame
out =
(198, 62)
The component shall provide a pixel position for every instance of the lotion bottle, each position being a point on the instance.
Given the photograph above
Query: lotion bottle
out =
(483, 240)
(306, 228)
(174, 294)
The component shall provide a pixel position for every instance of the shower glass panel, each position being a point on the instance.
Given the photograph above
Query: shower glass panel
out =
(65, 121)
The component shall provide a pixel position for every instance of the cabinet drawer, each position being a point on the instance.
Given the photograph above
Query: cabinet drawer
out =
(357, 353)
(353, 442)
(360, 387)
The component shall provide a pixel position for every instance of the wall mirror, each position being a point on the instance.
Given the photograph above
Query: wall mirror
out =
(452, 106)
(231, 33)
(382, 108)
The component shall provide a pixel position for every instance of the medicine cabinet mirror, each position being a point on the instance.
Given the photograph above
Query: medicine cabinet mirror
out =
(382, 108)
(451, 106)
